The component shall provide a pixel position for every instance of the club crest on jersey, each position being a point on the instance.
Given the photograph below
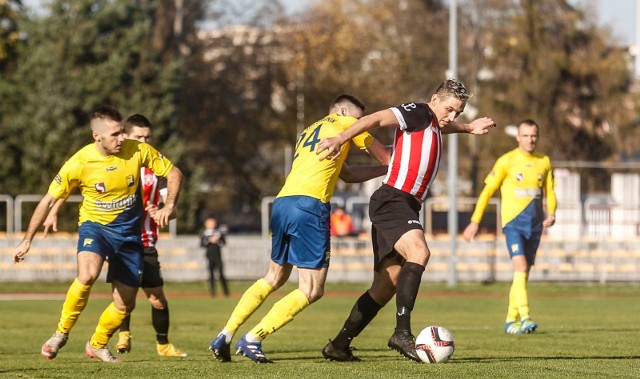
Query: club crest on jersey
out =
(519, 177)
(100, 187)
(539, 178)
(130, 180)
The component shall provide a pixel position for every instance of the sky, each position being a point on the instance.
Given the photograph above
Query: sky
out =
(618, 15)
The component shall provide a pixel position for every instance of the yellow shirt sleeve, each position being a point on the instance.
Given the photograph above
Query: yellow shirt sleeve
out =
(155, 161)
(493, 181)
(549, 189)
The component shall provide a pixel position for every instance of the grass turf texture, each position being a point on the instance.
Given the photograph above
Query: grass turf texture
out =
(586, 331)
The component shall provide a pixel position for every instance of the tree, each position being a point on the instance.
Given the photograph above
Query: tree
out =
(550, 62)
(9, 33)
(79, 55)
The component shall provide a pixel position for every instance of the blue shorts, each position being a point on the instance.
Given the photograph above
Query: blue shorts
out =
(123, 253)
(300, 232)
(522, 242)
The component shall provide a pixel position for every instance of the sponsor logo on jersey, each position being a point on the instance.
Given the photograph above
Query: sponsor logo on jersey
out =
(100, 187)
(409, 106)
(116, 204)
(112, 168)
(528, 193)
(130, 180)
(87, 241)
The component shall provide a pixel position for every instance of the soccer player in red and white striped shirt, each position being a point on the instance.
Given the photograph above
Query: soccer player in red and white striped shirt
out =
(154, 191)
(400, 249)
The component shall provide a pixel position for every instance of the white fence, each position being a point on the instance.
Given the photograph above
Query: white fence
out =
(247, 258)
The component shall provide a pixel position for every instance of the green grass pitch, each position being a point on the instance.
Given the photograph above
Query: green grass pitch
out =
(586, 331)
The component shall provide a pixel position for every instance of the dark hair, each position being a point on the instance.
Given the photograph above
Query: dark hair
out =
(106, 112)
(529, 122)
(345, 98)
(453, 87)
(136, 120)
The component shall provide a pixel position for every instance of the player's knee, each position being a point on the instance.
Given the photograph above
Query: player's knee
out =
(315, 295)
(419, 256)
(158, 303)
(276, 279)
(86, 279)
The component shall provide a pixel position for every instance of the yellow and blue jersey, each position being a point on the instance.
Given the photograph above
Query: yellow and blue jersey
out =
(311, 177)
(110, 185)
(523, 180)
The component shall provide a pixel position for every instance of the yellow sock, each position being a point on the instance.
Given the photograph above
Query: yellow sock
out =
(512, 309)
(109, 322)
(281, 314)
(74, 303)
(519, 288)
(251, 300)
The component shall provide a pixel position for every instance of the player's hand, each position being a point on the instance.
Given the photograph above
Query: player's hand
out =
(151, 209)
(20, 251)
(470, 231)
(162, 216)
(50, 223)
(481, 125)
(332, 147)
(549, 221)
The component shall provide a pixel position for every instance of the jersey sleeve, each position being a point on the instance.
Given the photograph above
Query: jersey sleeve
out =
(549, 189)
(152, 159)
(65, 180)
(492, 182)
(363, 141)
(412, 116)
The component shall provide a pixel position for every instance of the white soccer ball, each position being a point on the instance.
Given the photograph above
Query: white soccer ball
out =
(434, 344)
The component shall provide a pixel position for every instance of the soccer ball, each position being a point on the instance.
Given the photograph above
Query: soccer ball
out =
(434, 344)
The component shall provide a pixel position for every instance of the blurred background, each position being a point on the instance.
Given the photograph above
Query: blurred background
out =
(229, 84)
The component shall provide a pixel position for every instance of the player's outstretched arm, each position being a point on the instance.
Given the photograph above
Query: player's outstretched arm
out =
(330, 147)
(38, 217)
(477, 126)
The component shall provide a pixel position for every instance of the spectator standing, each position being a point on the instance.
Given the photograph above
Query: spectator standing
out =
(213, 239)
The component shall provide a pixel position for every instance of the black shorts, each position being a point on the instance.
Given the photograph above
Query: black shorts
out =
(151, 275)
(392, 213)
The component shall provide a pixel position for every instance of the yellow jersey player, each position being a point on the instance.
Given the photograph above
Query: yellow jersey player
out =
(524, 178)
(300, 230)
(107, 172)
